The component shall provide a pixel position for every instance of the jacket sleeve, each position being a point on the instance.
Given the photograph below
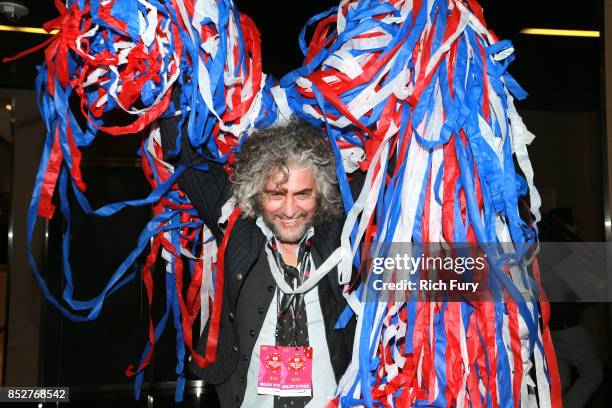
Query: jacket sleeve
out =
(207, 190)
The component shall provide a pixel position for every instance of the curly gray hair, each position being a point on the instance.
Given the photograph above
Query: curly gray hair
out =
(275, 149)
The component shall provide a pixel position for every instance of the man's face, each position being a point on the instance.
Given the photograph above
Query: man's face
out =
(288, 206)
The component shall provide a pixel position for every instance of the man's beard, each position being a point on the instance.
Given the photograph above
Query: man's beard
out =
(294, 235)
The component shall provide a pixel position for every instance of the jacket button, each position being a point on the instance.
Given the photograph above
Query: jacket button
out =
(241, 379)
(270, 288)
(245, 357)
(236, 348)
(239, 276)
(260, 310)
(231, 317)
(237, 398)
(252, 333)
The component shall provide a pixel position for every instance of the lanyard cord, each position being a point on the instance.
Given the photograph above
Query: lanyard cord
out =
(295, 303)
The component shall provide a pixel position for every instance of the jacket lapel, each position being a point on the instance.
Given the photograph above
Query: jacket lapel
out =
(243, 247)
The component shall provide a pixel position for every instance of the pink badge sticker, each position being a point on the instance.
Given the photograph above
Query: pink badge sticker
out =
(285, 371)
(270, 370)
(298, 381)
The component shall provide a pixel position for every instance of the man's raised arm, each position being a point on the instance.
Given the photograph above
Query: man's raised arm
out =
(207, 190)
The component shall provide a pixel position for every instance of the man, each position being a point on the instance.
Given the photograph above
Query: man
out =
(286, 187)
(573, 343)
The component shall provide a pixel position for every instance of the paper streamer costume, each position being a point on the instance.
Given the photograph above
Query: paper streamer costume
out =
(415, 93)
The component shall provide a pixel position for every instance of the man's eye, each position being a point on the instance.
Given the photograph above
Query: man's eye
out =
(275, 196)
(302, 196)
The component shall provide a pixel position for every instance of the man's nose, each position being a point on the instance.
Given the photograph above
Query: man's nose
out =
(289, 206)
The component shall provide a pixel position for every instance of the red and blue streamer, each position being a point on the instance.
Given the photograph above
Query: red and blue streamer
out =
(415, 93)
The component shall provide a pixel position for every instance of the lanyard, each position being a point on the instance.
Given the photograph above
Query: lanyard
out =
(294, 303)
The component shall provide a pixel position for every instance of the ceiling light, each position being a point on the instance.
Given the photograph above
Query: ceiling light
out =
(8, 107)
(31, 30)
(13, 10)
(561, 33)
